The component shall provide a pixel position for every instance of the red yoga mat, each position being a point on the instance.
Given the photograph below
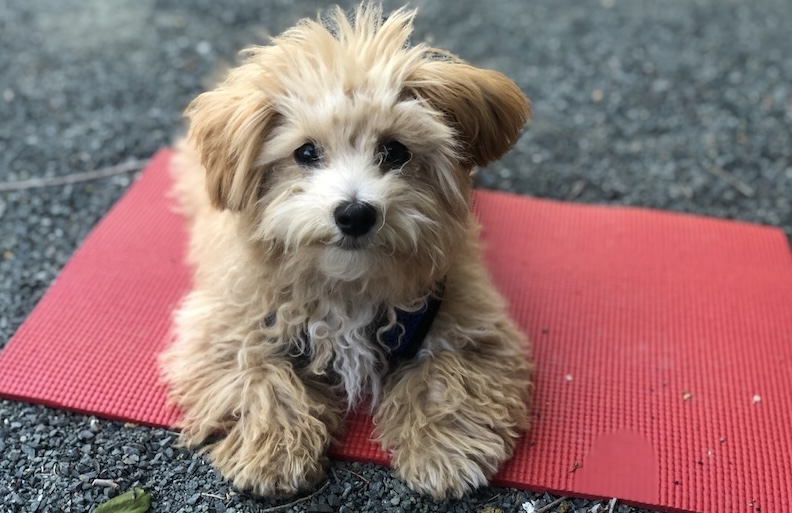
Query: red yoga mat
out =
(663, 344)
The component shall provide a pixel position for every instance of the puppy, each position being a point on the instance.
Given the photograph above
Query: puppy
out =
(327, 185)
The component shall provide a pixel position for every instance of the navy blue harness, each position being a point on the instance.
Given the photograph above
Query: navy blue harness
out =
(406, 337)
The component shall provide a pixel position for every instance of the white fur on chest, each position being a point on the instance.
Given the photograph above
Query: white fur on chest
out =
(357, 359)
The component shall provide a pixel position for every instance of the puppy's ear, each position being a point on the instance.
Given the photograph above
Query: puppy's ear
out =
(228, 126)
(484, 106)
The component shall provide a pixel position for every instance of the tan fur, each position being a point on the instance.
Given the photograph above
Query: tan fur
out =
(487, 109)
(273, 344)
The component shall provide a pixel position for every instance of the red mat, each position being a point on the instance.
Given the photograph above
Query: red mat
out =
(663, 344)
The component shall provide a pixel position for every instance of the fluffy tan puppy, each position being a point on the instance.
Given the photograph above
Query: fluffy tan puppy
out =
(327, 186)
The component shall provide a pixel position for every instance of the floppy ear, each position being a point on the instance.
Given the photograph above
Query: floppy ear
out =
(484, 106)
(228, 126)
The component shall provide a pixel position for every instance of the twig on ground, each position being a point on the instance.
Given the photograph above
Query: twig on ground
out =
(355, 474)
(298, 501)
(215, 496)
(492, 500)
(126, 167)
(742, 187)
(611, 505)
(551, 505)
(107, 483)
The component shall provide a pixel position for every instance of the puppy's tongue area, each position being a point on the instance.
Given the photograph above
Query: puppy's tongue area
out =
(353, 243)
(346, 263)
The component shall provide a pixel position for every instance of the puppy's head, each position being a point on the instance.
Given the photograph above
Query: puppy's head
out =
(350, 151)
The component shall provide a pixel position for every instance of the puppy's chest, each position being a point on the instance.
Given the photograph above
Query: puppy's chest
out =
(354, 348)
(343, 346)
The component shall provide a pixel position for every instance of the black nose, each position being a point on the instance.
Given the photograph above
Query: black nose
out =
(355, 218)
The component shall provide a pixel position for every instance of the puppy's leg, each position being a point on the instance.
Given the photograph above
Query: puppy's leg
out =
(274, 427)
(452, 417)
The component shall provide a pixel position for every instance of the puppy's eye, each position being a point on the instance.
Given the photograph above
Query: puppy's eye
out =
(308, 155)
(394, 154)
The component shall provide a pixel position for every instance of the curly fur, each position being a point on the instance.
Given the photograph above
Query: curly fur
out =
(273, 344)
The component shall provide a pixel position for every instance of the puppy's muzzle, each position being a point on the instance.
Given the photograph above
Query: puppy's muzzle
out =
(355, 218)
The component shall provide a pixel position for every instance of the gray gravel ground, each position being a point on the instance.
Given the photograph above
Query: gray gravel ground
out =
(682, 105)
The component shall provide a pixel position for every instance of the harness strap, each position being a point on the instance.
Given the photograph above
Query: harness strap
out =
(406, 336)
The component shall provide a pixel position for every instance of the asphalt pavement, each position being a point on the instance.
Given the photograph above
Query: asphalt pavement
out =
(682, 105)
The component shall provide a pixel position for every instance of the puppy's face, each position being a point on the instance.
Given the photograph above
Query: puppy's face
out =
(350, 153)
(362, 180)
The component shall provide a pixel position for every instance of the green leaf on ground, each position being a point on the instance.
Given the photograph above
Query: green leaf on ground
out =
(134, 501)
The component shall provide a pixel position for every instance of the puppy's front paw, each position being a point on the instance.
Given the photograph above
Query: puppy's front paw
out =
(451, 422)
(275, 462)
(447, 462)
